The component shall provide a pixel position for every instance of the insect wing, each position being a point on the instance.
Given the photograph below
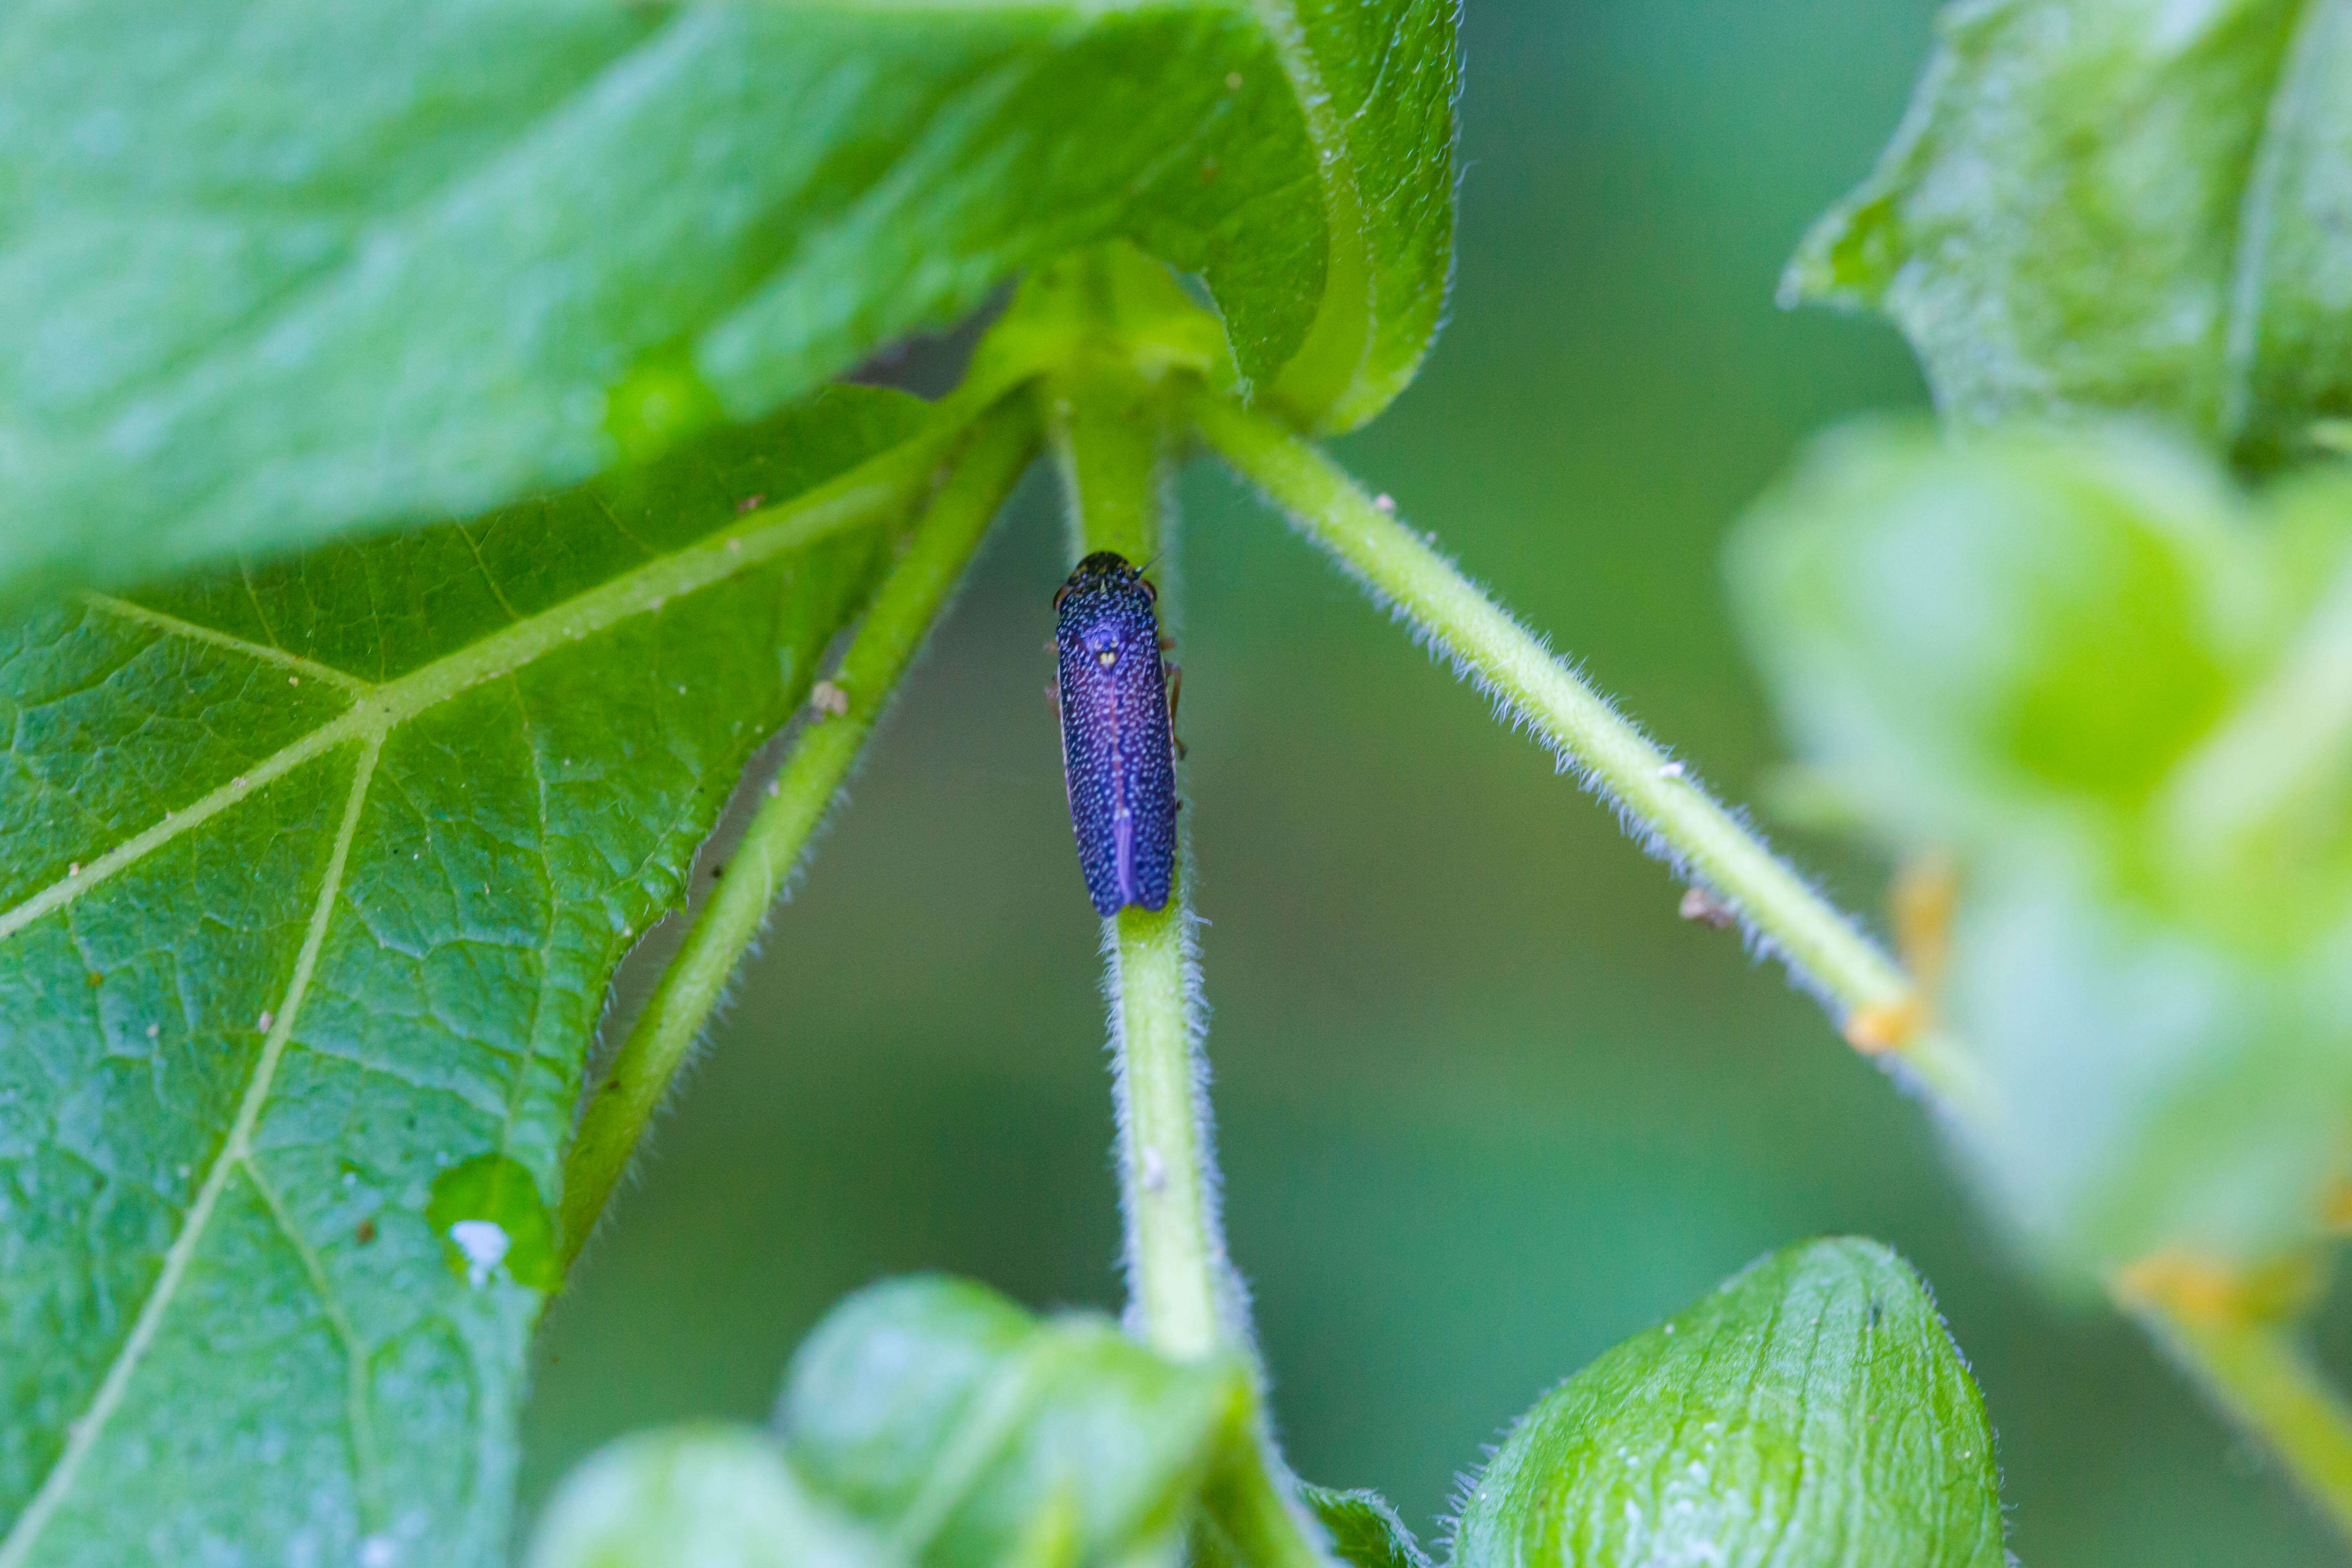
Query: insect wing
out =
(1116, 750)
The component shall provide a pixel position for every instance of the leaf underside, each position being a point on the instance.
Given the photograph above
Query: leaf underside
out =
(270, 270)
(317, 874)
(2118, 204)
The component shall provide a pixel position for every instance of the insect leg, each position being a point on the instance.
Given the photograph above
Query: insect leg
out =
(1176, 690)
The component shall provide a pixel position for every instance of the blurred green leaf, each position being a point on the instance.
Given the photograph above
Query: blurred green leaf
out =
(2117, 205)
(1811, 1411)
(317, 875)
(2121, 693)
(968, 1432)
(1365, 1531)
(272, 271)
(1956, 634)
(696, 1497)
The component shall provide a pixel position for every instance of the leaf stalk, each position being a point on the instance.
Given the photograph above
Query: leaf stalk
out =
(1663, 805)
(2258, 1369)
(1109, 436)
(910, 601)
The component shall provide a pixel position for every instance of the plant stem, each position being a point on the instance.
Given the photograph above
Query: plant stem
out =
(1176, 1262)
(2261, 1373)
(1109, 435)
(2255, 1368)
(902, 613)
(1875, 1002)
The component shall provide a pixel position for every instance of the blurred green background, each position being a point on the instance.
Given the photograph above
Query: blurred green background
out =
(1486, 1104)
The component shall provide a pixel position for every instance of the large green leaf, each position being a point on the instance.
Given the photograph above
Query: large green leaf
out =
(1812, 1412)
(269, 269)
(2114, 689)
(316, 876)
(2118, 204)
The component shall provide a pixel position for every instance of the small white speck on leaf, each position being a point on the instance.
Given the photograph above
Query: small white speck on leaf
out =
(827, 697)
(264, 1022)
(735, 546)
(73, 867)
(1384, 503)
(775, 788)
(1233, 81)
(1155, 1171)
(154, 1031)
(1671, 770)
(484, 1243)
(379, 1551)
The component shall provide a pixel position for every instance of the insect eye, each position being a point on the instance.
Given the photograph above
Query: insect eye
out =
(1061, 594)
(1150, 594)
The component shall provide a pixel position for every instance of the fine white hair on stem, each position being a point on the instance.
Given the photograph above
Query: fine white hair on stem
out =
(1231, 1291)
(1518, 717)
(1657, 799)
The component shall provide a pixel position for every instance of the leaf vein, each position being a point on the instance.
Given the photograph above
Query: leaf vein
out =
(172, 626)
(855, 498)
(83, 1434)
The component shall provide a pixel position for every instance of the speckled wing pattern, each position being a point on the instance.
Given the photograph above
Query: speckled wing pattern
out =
(1116, 751)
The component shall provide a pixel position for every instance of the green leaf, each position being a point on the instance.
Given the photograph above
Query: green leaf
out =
(970, 1432)
(317, 876)
(274, 271)
(1811, 1411)
(1959, 634)
(2117, 205)
(696, 1497)
(2120, 694)
(1365, 1531)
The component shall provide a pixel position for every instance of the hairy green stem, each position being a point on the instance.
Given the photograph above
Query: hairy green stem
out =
(885, 643)
(2262, 1375)
(2257, 1369)
(1109, 435)
(1874, 1000)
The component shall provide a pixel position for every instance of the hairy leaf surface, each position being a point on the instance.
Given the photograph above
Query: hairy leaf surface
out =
(270, 269)
(317, 875)
(1365, 1531)
(1812, 1411)
(2118, 204)
(2117, 694)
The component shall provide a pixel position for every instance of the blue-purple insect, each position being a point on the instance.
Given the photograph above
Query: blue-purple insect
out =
(1117, 750)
